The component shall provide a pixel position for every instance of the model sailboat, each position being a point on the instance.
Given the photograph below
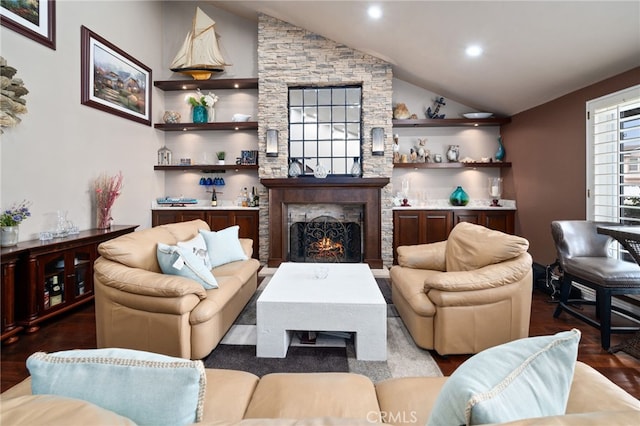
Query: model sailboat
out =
(200, 54)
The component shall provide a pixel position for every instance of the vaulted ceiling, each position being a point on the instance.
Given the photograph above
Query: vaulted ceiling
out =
(534, 51)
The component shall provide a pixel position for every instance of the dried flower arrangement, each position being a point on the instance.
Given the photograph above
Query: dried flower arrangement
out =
(107, 189)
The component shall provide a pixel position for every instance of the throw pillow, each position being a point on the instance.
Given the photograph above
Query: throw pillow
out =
(525, 378)
(198, 247)
(174, 260)
(470, 246)
(224, 245)
(148, 388)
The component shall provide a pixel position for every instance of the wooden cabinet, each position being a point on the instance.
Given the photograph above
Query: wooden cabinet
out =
(247, 220)
(500, 220)
(43, 279)
(411, 227)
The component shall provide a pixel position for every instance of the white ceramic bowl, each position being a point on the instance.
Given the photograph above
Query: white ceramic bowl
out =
(475, 115)
(240, 117)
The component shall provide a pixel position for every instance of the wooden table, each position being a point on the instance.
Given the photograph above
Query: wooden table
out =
(627, 236)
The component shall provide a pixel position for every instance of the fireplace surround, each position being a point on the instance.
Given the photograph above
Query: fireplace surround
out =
(336, 190)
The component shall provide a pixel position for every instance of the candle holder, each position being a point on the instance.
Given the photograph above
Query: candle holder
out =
(495, 191)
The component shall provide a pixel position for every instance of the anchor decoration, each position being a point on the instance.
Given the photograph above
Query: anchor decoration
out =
(437, 103)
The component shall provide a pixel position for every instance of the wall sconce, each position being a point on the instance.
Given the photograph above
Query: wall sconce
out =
(272, 143)
(377, 141)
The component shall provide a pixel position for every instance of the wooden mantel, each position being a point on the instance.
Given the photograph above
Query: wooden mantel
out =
(331, 190)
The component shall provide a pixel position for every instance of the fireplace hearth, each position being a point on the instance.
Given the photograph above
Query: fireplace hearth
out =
(346, 191)
(325, 239)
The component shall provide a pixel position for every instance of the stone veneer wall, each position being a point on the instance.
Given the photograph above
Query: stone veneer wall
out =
(292, 56)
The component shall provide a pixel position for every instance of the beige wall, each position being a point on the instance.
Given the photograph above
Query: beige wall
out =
(547, 146)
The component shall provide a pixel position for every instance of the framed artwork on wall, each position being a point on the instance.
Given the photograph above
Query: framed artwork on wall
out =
(33, 19)
(114, 81)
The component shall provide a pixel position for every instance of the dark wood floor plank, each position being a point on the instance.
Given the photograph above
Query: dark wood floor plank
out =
(76, 330)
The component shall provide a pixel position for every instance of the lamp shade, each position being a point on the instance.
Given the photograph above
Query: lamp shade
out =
(272, 143)
(377, 141)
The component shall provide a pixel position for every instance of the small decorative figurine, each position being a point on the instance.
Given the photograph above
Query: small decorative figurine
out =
(396, 148)
(423, 154)
(437, 103)
(453, 153)
(401, 112)
(413, 155)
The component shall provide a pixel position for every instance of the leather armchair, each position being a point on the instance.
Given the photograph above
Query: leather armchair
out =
(465, 294)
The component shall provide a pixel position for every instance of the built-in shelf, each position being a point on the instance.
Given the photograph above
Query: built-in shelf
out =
(450, 122)
(456, 165)
(221, 125)
(222, 83)
(208, 167)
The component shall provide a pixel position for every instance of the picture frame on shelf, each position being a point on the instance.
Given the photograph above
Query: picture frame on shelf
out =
(249, 157)
(114, 81)
(34, 20)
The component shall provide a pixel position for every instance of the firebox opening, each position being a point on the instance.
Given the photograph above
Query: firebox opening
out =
(325, 239)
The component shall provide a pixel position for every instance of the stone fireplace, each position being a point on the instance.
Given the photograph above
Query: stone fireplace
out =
(364, 192)
(291, 56)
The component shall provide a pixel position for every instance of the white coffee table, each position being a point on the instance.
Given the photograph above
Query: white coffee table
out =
(348, 299)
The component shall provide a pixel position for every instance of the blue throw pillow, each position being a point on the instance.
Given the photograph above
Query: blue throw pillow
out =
(517, 380)
(224, 245)
(174, 260)
(148, 388)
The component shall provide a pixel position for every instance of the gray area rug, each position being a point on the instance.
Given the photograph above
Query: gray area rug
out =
(329, 354)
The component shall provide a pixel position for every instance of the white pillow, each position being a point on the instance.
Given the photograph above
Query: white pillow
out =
(223, 246)
(148, 388)
(174, 260)
(198, 247)
(518, 380)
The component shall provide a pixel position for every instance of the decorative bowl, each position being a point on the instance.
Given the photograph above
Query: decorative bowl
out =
(171, 117)
(474, 115)
(240, 117)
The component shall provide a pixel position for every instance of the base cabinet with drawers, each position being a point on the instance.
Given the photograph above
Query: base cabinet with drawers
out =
(246, 219)
(411, 227)
(43, 279)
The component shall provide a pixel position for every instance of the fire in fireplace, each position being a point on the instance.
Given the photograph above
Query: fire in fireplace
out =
(325, 239)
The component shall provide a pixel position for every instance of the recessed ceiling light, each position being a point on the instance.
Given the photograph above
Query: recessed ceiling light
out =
(374, 12)
(473, 50)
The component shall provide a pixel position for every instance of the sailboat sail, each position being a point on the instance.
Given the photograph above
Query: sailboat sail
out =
(200, 54)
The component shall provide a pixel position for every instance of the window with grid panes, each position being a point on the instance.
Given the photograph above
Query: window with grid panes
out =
(325, 127)
(613, 148)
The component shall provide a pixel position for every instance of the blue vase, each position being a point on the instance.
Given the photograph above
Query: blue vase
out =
(500, 152)
(459, 197)
(200, 114)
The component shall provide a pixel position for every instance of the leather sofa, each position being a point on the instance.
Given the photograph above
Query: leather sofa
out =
(465, 294)
(139, 307)
(240, 398)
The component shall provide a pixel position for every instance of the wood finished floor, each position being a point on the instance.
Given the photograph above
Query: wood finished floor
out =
(76, 330)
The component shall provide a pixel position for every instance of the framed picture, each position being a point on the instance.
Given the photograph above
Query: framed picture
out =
(33, 19)
(114, 81)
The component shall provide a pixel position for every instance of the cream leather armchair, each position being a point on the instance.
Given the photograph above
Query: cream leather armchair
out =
(465, 294)
(139, 307)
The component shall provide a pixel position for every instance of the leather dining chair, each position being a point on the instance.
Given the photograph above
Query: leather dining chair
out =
(584, 258)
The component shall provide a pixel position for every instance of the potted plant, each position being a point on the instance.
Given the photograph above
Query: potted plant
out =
(220, 156)
(10, 220)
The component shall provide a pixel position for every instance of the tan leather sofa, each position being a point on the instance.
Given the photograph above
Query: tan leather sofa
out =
(465, 294)
(139, 307)
(236, 397)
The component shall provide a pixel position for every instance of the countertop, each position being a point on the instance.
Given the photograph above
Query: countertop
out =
(204, 205)
(445, 205)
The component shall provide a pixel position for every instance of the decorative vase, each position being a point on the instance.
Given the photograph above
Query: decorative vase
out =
(9, 236)
(459, 197)
(212, 114)
(295, 168)
(320, 171)
(103, 218)
(356, 169)
(500, 153)
(171, 117)
(199, 114)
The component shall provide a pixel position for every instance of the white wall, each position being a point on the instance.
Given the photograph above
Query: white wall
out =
(474, 142)
(61, 146)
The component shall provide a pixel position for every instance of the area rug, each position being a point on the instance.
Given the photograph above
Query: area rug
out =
(330, 353)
